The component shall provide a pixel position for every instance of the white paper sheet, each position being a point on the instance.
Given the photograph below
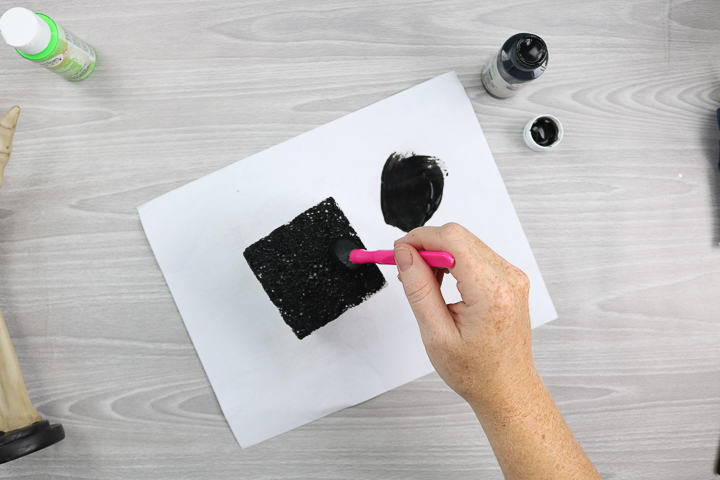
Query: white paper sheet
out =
(266, 380)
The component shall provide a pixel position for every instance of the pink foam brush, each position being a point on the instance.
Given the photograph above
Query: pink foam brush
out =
(346, 252)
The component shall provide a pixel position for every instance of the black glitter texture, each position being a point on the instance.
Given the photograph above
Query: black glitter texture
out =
(293, 265)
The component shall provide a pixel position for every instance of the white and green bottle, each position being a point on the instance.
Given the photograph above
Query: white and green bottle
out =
(39, 39)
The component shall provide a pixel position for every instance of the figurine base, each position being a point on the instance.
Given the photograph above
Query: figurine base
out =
(25, 441)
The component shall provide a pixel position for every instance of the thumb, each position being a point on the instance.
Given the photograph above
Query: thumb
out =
(422, 291)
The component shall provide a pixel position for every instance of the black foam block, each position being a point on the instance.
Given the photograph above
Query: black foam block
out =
(293, 265)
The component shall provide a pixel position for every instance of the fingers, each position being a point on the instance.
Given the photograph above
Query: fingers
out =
(9, 120)
(7, 131)
(452, 238)
(423, 292)
(475, 263)
(478, 269)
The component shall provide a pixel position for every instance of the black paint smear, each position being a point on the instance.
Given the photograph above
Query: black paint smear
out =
(411, 190)
(293, 265)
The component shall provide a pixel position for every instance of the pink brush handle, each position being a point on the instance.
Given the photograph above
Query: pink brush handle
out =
(386, 257)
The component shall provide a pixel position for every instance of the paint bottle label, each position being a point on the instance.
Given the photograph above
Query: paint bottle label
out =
(71, 58)
(495, 83)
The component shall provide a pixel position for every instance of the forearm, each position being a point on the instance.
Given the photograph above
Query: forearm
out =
(481, 347)
(530, 437)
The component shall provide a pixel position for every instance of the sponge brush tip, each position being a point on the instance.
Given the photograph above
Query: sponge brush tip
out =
(340, 252)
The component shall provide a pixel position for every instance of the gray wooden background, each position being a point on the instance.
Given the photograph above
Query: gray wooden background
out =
(624, 219)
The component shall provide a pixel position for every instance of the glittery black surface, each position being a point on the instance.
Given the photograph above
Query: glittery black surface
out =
(293, 265)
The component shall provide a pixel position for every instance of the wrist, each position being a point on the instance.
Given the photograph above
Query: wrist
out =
(513, 396)
(529, 435)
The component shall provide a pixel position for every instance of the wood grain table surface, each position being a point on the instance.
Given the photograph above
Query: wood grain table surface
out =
(623, 218)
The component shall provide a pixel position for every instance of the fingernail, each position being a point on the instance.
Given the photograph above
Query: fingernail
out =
(403, 258)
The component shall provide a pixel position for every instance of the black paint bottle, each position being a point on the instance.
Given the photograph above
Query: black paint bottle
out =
(522, 59)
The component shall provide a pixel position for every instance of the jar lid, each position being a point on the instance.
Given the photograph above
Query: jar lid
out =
(22, 29)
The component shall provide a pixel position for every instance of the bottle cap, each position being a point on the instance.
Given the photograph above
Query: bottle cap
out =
(531, 51)
(25, 31)
(543, 133)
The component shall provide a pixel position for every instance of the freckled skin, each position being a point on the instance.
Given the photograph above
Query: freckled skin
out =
(482, 348)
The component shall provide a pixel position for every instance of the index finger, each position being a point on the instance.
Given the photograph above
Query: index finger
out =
(452, 238)
(472, 256)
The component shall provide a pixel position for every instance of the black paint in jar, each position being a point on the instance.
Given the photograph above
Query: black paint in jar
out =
(544, 131)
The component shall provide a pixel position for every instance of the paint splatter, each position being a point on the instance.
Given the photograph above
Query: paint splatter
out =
(294, 267)
(411, 190)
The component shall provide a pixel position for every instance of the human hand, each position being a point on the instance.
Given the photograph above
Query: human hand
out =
(481, 346)
(7, 131)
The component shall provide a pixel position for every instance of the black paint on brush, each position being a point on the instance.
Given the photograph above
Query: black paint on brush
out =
(411, 190)
(340, 251)
(295, 268)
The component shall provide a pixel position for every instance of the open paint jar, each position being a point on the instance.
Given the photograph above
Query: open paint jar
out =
(543, 133)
